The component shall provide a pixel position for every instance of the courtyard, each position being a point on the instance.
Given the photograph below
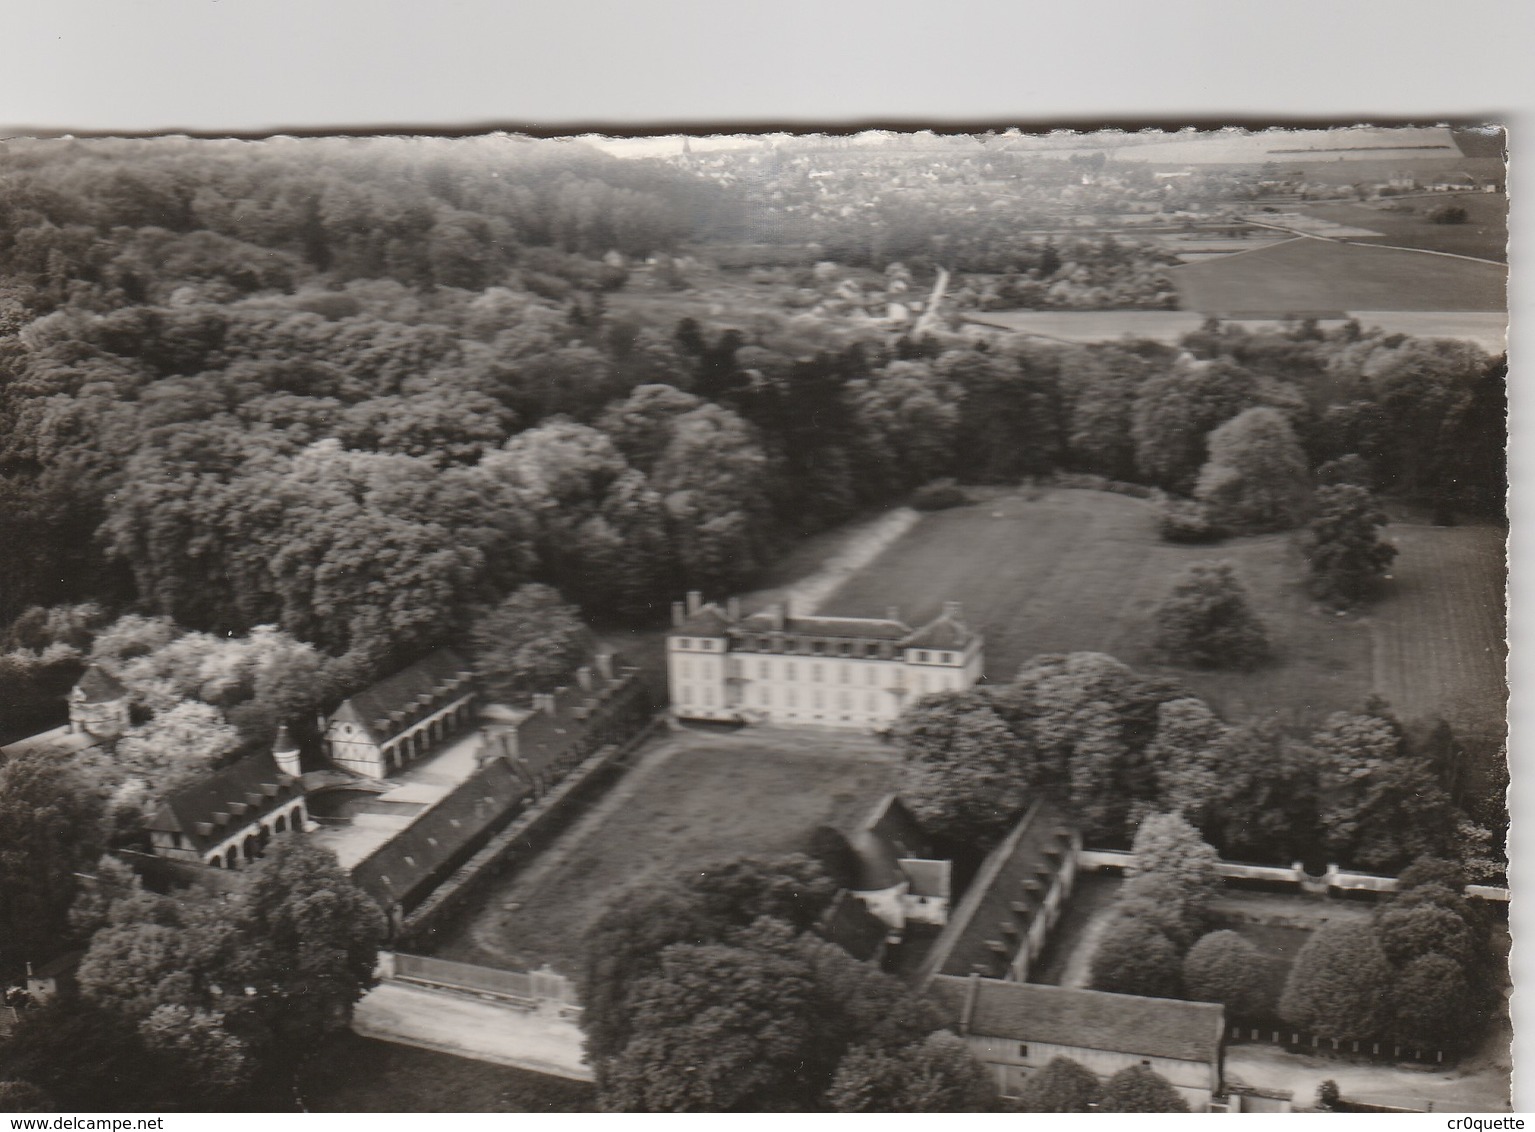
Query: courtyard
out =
(692, 798)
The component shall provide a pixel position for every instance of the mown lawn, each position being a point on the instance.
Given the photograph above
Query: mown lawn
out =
(1308, 276)
(1062, 570)
(708, 801)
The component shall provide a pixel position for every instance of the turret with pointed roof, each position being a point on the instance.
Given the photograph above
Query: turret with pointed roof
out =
(98, 705)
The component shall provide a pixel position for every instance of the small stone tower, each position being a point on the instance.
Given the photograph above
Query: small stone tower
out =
(98, 705)
(285, 752)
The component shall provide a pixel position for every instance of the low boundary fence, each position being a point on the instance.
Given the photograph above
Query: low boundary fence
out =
(1296, 1041)
(1343, 882)
(531, 989)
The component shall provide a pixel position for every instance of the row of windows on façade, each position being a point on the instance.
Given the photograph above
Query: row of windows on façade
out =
(771, 666)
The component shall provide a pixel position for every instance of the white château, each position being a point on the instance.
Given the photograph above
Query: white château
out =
(849, 672)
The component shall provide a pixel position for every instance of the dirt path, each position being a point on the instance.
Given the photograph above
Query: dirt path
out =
(1079, 968)
(864, 542)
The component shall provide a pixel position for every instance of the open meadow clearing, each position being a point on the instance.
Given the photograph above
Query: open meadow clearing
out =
(1484, 234)
(1061, 570)
(693, 800)
(1439, 638)
(1487, 329)
(1310, 276)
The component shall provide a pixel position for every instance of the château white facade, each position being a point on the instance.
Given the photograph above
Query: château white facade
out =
(847, 672)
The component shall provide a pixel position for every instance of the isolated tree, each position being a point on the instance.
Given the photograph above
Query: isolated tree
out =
(1346, 558)
(1328, 1095)
(965, 777)
(1255, 479)
(1206, 621)
(1340, 983)
(50, 830)
(1134, 956)
(1223, 967)
(1063, 1085)
(1137, 1088)
(1169, 847)
(1169, 851)
(533, 641)
(937, 1075)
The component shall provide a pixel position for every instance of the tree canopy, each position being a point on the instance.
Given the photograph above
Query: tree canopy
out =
(1206, 621)
(1063, 1085)
(50, 830)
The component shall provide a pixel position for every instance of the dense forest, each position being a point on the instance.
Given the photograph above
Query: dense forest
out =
(359, 390)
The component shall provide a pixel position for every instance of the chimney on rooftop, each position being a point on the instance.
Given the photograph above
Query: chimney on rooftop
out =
(584, 678)
(776, 616)
(953, 611)
(695, 602)
(733, 608)
(543, 701)
(679, 615)
(605, 665)
(285, 752)
(892, 613)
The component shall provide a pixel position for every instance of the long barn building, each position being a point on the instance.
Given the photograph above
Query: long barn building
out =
(848, 672)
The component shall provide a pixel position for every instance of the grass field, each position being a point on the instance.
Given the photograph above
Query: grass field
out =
(1440, 637)
(355, 1074)
(1485, 233)
(1065, 571)
(692, 801)
(1318, 276)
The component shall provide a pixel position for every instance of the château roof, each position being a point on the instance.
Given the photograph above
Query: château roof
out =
(1082, 1019)
(214, 808)
(878, 868)
(896, 824)
(855, 628)
(372, 708)
(709, 621)
(99, 686)
(944, 632)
